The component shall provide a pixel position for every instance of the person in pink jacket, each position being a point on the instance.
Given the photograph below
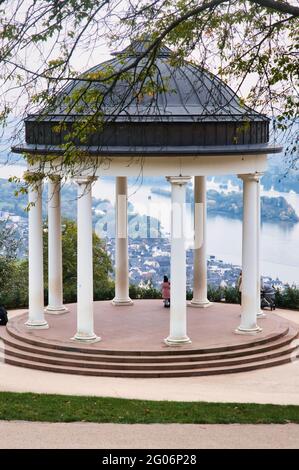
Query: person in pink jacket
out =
(166, 291)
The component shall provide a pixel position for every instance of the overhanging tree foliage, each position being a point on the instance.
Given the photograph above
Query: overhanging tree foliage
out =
(13, 288)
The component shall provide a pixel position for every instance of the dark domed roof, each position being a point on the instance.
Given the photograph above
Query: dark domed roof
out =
(189, 111)
(190, 93)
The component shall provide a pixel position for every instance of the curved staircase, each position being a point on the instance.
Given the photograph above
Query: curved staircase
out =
(28, 351)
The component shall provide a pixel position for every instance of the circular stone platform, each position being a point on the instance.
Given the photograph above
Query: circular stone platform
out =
(133, 342)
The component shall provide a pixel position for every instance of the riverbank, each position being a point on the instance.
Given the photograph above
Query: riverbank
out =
(230, 204)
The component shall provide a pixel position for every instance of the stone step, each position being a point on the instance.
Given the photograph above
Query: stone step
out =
(174, 351)
(157, 366)
(244, 367)
(19, 345)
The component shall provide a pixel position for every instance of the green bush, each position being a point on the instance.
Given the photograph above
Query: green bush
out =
(189, 294)
(149, 292)
(14, 287)
(106, 292)
(215, 294)
(231, 295)
(289, 298)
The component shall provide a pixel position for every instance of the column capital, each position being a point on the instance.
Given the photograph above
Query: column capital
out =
(178, 180)
(36, 176)
(251, 176)
(84, 179)
(55, 178)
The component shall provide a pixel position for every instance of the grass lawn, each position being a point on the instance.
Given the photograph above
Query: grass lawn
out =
(61, 408)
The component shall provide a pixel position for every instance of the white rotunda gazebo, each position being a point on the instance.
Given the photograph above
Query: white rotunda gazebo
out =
(196, 129)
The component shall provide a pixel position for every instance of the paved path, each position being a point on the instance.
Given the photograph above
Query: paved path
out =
(278, 385)
(20, 434)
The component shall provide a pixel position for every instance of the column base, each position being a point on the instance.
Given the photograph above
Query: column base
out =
(86, 338)
(248, 331)
(56, 310)
(37, 324)
(120, 302)
(261, 314)
(200, 303)
(173, 341)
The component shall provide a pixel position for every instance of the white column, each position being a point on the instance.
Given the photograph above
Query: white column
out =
(121, 243)
(54, 248)
(249, 256)
(85, 321)
(178, 306)
(260, 313)
(36, 317)
(200, 298)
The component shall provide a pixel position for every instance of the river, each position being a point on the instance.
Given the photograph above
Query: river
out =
(279, 241)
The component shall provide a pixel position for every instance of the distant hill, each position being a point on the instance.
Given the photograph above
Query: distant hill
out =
(231, 205)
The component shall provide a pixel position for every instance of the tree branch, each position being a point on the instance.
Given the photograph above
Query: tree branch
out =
(277, 5)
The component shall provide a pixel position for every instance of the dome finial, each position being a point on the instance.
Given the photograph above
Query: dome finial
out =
(140, 46)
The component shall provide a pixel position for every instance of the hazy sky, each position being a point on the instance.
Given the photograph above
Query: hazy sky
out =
(84, 58)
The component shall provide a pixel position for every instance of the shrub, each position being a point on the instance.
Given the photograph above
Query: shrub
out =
(215, 294)
(231, 295)
(289, 298)
(150, 292)
(14, 288)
